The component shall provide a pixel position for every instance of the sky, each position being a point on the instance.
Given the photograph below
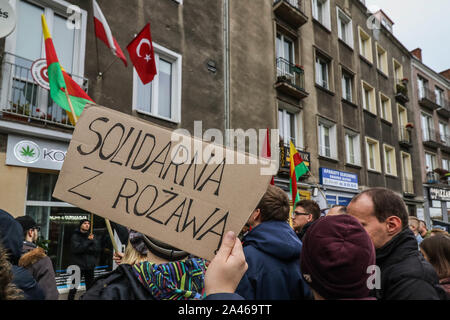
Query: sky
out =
(421, 24)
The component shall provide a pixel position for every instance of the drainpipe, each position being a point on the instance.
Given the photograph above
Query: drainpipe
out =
(226, 53)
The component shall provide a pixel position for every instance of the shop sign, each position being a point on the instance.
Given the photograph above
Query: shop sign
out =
(440, 194)
(335, 178)
(35, 153)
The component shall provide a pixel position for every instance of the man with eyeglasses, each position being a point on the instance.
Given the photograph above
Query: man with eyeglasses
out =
(304, 215)
(35, 260)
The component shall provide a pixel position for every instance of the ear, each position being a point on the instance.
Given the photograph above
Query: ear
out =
(30, 232)
(310, 217)
(394, 225)
(256, 214)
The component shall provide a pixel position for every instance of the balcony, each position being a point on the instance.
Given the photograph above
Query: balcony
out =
(291, 11)
(290, 79)
(408, 187)
(445, 143)
(401, 92)
(430, 138)
(444, 107)
(22, 100)
(427, 99)
(432, 177)
(405, 137)
(284, 170)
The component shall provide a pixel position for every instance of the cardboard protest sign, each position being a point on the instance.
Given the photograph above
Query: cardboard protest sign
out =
(149, 179)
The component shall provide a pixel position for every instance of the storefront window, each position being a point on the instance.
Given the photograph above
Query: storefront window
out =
(58, 221)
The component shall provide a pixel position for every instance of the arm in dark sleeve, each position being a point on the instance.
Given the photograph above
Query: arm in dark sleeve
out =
(224, 296)
(412, 289)
(45, 276)
(78, 245)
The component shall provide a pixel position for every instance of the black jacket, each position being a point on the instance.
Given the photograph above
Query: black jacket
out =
(120, 284)
(305, 228)
(405, 274)
(84, 251)
(11, 237)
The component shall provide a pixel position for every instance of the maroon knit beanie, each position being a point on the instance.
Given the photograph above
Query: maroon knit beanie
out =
(335, 255)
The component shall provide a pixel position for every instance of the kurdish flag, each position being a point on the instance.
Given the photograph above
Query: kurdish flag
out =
(298, 168)
(60, 81)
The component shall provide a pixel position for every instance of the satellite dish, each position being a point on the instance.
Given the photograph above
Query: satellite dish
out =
(7, 19)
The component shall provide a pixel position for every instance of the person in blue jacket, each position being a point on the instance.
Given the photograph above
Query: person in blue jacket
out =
(272, 251)
(11, 238)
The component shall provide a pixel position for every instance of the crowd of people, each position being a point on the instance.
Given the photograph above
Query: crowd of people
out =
(370, 249)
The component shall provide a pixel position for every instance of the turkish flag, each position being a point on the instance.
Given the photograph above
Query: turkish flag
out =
(142, 55)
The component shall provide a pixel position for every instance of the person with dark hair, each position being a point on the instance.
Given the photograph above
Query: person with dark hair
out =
(151, 270)
(405, 274)
(436, 251)
(423, 231)
(336, 254)
(304, 215)
(84, 248)
(8, 290)
(272, 251)
(11, 238)
(35, 260)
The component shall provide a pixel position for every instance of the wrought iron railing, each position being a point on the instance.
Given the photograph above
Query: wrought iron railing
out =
(290, 73)
(22, 99)
(298, 4)
(408, 186)
(405, 135)
(426, 94)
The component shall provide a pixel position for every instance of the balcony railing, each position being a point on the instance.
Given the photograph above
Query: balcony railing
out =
(405, 137)
(401, 92)
(291, 76)
(444, 107)
(21, 99)
(430, 138)
(427, 98)
(284, 159)
(291, 11)
(408, 186)
(432, 177)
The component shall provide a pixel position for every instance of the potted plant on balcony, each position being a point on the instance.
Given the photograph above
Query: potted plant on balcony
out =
(442, 174)
(401, 89)
(409, 126)
(405, 81)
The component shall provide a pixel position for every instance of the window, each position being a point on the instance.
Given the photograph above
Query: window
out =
(382, 62)
(386, 24)
(404, 134)
(160, 98)
(430, 161)
(287, 126)
(352, 146)
(327, 139)
(345, 27)
(398, 72)
(368, 93)
(407, 181)
(389, 160)
(443, 132)
(385, 106)
(347, 85)
(373, 154)
(25, 45)
(427, 127)
(365, 45)
(321, 12)
(439, 96)
(322, 72)
(445, 163)
(285, 48)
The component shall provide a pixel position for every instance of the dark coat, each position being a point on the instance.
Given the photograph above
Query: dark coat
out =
(405, 274)
(84, 251)
(120, 284)
(11, 237)
(39, 264)
(272, 251)
(301, 233)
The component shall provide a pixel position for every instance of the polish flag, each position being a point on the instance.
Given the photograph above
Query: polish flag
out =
(265, 152)
(103, 32)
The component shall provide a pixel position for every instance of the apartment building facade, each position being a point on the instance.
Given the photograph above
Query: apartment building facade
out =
(432, 114)
(353, 116)
(210, 69)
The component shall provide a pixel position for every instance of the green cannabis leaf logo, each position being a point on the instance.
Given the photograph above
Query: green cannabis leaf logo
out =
(27, 152)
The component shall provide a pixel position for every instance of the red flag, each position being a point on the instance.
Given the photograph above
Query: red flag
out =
(103, 32)
(142, 55)
(265, 152)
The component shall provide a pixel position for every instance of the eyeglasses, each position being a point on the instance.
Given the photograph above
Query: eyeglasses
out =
(295, 213)
(37, 228)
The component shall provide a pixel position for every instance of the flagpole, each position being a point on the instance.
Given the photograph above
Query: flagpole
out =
(101, 74)
(108, 225)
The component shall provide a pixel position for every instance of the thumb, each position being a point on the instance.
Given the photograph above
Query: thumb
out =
(227, 246)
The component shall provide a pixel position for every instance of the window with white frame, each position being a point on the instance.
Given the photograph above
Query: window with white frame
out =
(285, 48)
(20, 94)
(161, 98)
(288, 126)
(430, 161)
(398, 71)
(322, 72)
(368, 95)
(321, 12)
(390, 160)
(347, 86)
(345, 27)
(353, 150)
(373, 154)
(385, 106)
(407, 180)
(445, 163)
(427, 127)
(327, 139)
(382, 61)
(439, 96)
(365, 44)
(443, 131)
